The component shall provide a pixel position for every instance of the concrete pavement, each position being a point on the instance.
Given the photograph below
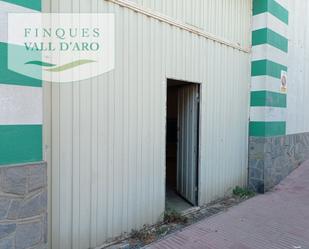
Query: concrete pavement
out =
(276, 220)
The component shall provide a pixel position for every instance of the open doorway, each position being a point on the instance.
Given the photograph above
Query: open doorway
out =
(182, 135)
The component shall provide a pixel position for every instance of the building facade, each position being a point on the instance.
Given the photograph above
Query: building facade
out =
(205, 96)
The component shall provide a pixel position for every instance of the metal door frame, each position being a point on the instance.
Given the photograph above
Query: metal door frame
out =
(199, 131)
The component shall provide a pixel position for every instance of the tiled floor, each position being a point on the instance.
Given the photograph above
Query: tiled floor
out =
(276, 220)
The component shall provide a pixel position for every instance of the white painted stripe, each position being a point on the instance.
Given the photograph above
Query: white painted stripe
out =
(267, 20)
(3, 27)
(268, 114)
(284, 3)
(259, 21)
(20, 105)
(266, 51)
(6, 8)
(278, 26)
(260, 83)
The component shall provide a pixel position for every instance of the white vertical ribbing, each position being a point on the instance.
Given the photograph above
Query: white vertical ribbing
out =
(298, 75)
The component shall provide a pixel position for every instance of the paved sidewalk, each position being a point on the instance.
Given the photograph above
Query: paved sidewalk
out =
(279, 219)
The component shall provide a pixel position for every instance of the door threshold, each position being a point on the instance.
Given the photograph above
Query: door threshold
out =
(190, 210)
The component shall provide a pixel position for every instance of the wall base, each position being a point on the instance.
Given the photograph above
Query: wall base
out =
(271, 159)
(23, 206)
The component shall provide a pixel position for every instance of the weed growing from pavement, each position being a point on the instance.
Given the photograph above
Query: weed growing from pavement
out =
(243, 192)
(172, 216)
(148, 234)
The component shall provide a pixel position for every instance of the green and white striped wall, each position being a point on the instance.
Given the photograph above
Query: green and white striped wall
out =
(269, 59)
(20, 99)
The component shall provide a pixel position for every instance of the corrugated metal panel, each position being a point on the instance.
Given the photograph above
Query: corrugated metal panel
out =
(298, 68)
(228, 15)
(108, 133)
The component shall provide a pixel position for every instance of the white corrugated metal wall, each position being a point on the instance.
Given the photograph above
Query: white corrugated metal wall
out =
(298, 68)
(106, 135)
(217, 17)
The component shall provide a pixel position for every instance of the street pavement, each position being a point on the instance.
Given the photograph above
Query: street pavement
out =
(276, 220)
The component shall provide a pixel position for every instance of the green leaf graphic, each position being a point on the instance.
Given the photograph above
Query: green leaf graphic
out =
(69, 65)
(40, 63)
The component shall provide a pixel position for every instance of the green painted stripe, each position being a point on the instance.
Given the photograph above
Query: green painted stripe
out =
(20, 144)
(266, 98)
(10, 77)
(31, 4)
(271, 6)
(267, 36)
(266, 67)
(267, 129)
